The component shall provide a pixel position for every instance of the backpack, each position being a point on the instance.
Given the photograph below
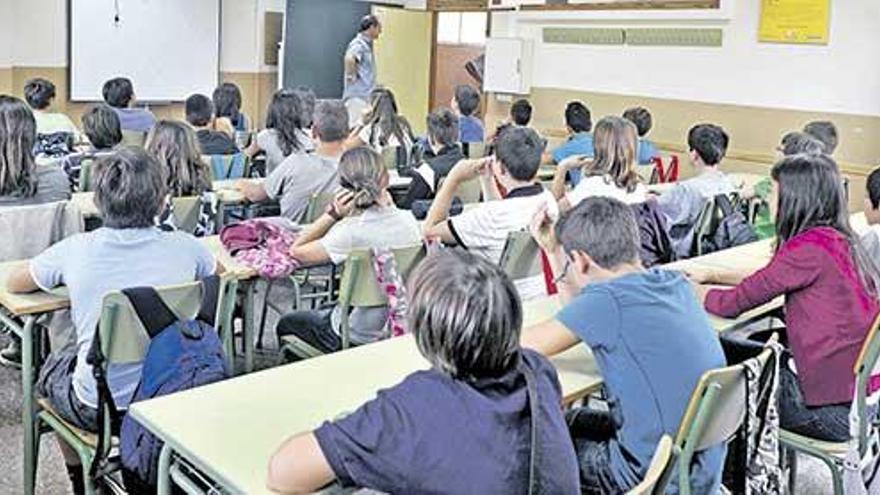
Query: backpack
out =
(183, 354)
(54, 145)
(732, 229)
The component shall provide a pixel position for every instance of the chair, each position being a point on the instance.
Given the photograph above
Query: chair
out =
(832, 454)
(358, 288)
(124, 340)
(659, 470)
(225, 167)
(474, 150)
(715, 412)
(317, 204)
(521, 257)
(186, 213)
(134, 138)
(389, 157)
(86, 177)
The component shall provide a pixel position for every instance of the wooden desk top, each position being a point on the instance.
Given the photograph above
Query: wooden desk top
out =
(29, 304)
(743, 182)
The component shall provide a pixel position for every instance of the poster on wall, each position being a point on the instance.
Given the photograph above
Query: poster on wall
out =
(795, 21)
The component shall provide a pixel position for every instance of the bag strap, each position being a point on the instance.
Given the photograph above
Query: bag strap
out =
(532, 392)
(97, 360)
(210, 300)
(150, 309)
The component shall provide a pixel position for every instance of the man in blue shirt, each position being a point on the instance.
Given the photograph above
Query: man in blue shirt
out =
(360, 68)
(648, 332)
(119, 94)
(579, 123)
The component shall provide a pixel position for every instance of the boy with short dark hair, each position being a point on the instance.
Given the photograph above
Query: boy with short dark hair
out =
(40, 94)
(521, 112)
(128, 251)
(200, 114)
(796, 143)
(466, 102)
(119, 94)
(643, 121)
(101, 125)
(579, 124)
(442, 152)
(649, 335)
(465, 317)
(871, 238)
(826, 132)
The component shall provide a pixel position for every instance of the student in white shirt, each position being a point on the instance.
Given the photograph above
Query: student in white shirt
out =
(871, 238)
(40, 94)
(610, 173)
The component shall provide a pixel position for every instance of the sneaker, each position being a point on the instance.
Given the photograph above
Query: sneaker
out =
(11, 355)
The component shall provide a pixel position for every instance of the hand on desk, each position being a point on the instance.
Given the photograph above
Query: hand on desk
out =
(718, 276)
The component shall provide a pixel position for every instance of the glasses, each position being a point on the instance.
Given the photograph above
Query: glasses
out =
(561, 277)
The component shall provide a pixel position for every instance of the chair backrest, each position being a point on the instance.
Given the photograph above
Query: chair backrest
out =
(715, 412)
(389, 157)
(186, 213)
(45, 224)
(134, 138)
(521, 257)
(224, 167)
(475, 150)
(317, 204)
(867, 365)
(470, 191)
(86, 176)
(660, 469)
(358, 286)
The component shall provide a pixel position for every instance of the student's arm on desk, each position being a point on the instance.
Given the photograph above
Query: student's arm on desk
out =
(299, 466)
(253, 191)
(21, 281)
(548, 338)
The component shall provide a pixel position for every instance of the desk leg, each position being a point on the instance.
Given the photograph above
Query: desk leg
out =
(164, 476)
(248, 325)
(28, 410)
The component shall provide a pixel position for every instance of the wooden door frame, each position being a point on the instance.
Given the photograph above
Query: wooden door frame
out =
(432, 82)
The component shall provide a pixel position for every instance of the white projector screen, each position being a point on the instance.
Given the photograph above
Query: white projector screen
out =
(168, 48)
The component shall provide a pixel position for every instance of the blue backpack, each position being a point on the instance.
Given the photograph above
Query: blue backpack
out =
(182, 355)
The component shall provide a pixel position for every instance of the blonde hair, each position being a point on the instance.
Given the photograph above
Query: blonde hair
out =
(616, 142)
(362, 171)
(175, 147)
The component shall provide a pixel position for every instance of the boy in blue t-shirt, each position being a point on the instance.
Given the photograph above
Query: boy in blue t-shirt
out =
(648, 332)
(643, 121)
(579, 123)
(462, 426)
(466, 103)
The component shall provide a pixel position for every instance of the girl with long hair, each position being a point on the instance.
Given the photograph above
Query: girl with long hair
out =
(285, 133)
(382, 125)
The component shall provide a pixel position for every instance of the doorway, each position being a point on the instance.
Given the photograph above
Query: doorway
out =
(459, 38)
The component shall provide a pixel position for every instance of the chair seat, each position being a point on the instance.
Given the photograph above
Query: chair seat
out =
(87, 437)
(299, 347)
(801, 442)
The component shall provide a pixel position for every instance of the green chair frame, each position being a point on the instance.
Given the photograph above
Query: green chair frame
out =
(186, 213)
(660, 469)
(86, 177)
(833, 454)
(124, 340)
(521, 257)
(134, 138)
(358, 288)
(225, 167)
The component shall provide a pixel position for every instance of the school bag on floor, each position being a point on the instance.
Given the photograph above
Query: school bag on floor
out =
(183, 354)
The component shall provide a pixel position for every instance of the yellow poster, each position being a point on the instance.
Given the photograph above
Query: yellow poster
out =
(795, 21)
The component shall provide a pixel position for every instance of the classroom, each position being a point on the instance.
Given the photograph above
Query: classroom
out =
(440, 247)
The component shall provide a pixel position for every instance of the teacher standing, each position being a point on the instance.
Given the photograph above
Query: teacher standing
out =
(360, 68)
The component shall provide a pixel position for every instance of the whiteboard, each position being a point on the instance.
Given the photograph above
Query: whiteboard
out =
(168, 48)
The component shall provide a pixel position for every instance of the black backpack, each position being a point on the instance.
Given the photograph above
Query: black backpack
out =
(728, 227)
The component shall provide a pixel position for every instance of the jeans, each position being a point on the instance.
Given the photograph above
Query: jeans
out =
(829, 423)
(313, 327)
(591, 432)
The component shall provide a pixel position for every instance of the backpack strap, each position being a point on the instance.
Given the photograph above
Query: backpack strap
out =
(210, 300)
(532, 392)
(106, 404)
(150, 309)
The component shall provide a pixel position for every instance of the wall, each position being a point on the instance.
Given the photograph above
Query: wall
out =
(27, 52)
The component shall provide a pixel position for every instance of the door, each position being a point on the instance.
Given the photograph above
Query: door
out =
(403, 60)
(460, 38)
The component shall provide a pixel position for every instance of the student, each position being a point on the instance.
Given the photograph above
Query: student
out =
(683, 203)
(119, 94)
(521, 113)
(40, 95)
(466, 318)
(102, 127)
(382, 127)
(466, 103)
(301, 175)
(175, 147)
(871, 238)
(795, 143)
(309, 102)
(284, 134)
(227, 104)
(579, 123)
(200, 115)
(649, 335)
(126, 252)
(611, 173)
(362, 217)
(443, 152)
(830, 288)
(826, 133)
(643, 121)
(22, 181)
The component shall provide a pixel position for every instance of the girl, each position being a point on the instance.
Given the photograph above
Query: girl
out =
(382, 127)
(612, 173)
(830, 288)
(174, 146)
(227, 103)
(284, 134)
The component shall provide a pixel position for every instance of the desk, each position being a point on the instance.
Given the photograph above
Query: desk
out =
(250, 416)
(85, 201)
(742, 181)
(20, 314)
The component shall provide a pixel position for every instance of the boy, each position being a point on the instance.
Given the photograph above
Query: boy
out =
(796, 143)
(101, 125)
(466, 102)
(825, 132)
(464, 425)
(119, 94)
(578, 123)
(301, 175)
(442, 153)
(40, 94)
(128, 251)
(521, 113)
(649, 335)
(643, 121)
(683, 203)
(200, 115)
(871, 238)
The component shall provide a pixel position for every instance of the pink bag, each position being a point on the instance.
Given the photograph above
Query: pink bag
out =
(263, 245)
